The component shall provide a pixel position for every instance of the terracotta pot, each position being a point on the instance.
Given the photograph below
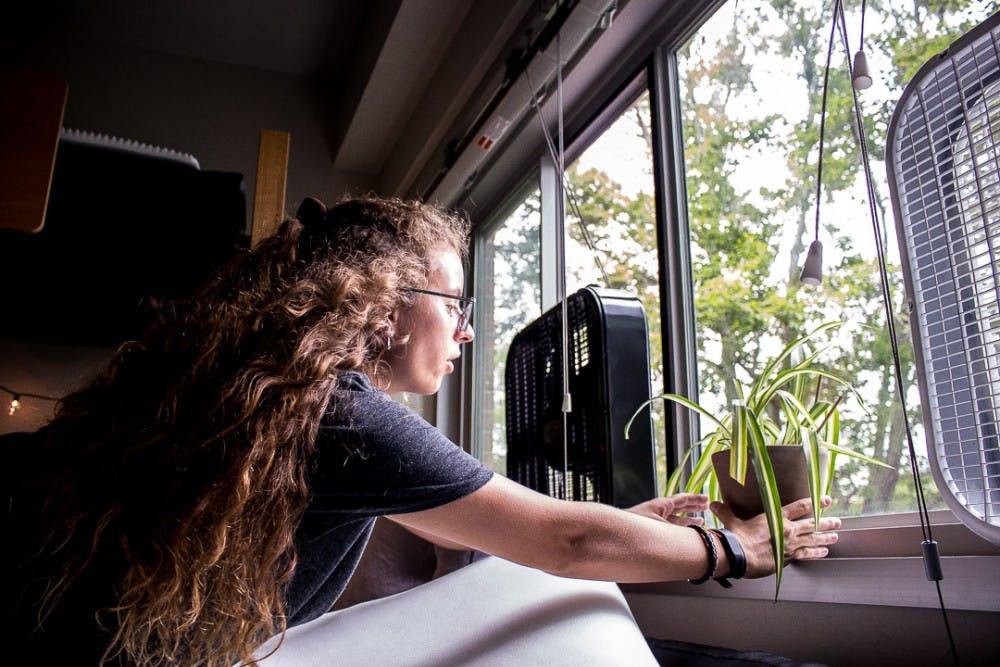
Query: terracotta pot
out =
(789, 463)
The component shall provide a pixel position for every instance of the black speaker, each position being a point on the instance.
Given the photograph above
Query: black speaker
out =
(608, 380)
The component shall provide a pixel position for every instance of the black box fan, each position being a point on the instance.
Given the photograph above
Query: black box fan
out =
(608, 381)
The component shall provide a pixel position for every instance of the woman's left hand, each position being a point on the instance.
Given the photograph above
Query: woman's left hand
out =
(670, 508)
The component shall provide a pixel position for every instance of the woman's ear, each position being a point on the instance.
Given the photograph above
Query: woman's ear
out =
(391, 324)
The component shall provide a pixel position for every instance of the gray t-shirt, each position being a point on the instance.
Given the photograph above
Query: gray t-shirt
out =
(374, 457)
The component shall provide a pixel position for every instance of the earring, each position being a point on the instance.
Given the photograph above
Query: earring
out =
(388, 342)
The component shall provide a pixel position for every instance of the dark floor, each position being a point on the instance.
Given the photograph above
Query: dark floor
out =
(671, 653)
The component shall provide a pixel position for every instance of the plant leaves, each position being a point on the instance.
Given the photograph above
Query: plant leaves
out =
(768, 487)
(676, 398)
(810, 447)
(738, 455)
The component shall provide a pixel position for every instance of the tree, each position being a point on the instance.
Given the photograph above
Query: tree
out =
(749, 302)
(749, 238)
(510, 255)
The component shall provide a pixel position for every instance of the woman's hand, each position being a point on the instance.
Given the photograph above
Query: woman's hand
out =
(802, 541)
(669, 508)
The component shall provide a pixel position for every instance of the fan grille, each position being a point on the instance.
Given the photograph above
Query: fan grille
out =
(944, 154)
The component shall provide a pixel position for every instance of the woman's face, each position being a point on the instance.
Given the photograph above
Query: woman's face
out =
(434, 343)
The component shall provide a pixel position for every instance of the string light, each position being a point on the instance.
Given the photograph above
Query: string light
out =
(17, 396)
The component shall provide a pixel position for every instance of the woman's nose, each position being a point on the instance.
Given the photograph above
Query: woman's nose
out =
(466, 335)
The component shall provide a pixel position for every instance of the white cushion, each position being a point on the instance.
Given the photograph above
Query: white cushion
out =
(492, 612)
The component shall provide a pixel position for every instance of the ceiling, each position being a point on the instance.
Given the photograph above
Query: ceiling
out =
(377, 58)
(411, 85)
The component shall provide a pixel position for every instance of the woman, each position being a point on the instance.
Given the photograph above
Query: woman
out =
(217, 483)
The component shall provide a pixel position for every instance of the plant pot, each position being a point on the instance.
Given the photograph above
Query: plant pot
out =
(790, 472)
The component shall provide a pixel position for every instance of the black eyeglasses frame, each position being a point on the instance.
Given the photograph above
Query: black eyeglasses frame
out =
(465, 311)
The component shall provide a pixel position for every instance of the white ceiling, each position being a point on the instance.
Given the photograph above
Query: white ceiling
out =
(407, 80)
(381, 60)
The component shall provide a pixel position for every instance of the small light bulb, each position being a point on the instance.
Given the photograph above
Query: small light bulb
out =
(812, 270)
(862, 77)
(14, 405)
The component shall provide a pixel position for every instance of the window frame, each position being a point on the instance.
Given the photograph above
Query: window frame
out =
(868, 537)
(481, 284)
(856, 570)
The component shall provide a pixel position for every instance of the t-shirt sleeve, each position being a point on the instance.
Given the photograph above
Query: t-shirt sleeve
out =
(377, 457)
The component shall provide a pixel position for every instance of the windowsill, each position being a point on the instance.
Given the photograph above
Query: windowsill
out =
(876, 565)
(900, 535)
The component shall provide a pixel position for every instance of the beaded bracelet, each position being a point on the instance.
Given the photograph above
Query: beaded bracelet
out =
(734, 553)
(713, 556)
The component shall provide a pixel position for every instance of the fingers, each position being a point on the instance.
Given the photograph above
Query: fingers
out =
(803, 542)
(808, 525)
(803, 507)
(669, 508)
(686, 520)
(808, 553)
(688, 502)
(680, 503)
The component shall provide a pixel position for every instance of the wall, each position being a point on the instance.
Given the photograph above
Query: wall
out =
(212, 111)
(46, 370)
(839, 635)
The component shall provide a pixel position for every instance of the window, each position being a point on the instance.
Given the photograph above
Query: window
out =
(508, 273)
(751, 82)
(732, 109)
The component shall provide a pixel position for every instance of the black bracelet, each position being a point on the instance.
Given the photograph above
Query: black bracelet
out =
(734, 552)
(713, 556)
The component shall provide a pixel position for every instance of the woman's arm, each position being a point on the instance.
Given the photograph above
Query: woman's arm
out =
(593, 541)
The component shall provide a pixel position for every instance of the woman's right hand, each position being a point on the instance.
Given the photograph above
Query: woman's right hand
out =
(802, 541)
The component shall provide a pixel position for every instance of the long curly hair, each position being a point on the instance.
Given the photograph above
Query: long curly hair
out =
(188, 455)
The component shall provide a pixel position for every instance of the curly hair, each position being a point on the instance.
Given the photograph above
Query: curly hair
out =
(188, 455)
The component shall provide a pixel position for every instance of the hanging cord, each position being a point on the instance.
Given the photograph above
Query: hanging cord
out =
(558, 155)
(822, 115)
(932, 562)
(861, 36)
(567, 404)
(574, 203)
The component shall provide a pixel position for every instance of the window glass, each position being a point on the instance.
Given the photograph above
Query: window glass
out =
(509, 265)
(751, 89)
(611, 229)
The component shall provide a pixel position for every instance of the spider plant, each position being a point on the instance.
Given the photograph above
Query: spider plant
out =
(783, 405)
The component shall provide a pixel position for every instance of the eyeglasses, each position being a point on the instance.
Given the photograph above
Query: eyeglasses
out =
(464, 307)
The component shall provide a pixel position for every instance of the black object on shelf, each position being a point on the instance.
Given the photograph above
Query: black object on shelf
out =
(121, 229)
